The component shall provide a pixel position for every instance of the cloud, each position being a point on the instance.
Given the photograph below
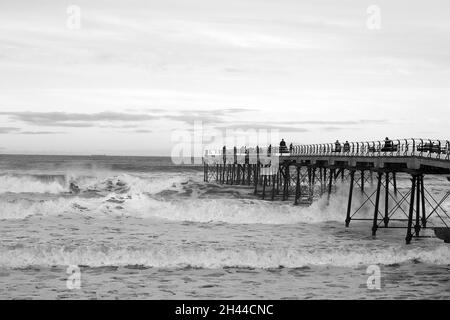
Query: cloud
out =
(41, 132)
(4, 130)
(262, 126)
(331, 129)
(212, 116)
(63, 119)
(337, 122)
(84, 120)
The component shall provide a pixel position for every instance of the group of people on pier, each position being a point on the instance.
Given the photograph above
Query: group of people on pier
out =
(338, 147)
(388, 146)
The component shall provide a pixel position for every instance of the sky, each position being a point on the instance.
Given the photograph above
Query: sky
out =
(133, 74)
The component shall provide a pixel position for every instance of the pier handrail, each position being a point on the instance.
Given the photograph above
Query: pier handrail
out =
(410, 147)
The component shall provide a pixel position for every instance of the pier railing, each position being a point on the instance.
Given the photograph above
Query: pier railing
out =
(413, 147)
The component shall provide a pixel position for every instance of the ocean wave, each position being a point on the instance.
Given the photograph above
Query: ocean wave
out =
(15, 183)
(139, 201)
(234, 211)
(213, 258)
(101, 183)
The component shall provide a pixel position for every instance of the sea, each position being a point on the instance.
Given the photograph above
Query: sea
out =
(100, 227)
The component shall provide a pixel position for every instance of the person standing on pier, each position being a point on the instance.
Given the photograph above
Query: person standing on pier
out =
(283, 148)
(337, 146)
(346, 146)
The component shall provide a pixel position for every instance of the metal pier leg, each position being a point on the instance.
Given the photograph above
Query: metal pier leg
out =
(411, 210)
(377, 203)
(255, 178)
(313, 182)
(422, 193)
(386, 202)
(264, 186)
(321, 180)
(330, 185)
(228, 173)
(417, 225)
(217, 173)
(350, 195)
(273, 186)
(286, 181)
(224, 165)
(297, 186)
(394, 180)
(233, 170)
(278, 180)
(362, 180)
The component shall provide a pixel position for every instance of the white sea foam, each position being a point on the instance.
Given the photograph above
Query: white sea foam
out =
(175, 257)
(55, 184)
(31, 184)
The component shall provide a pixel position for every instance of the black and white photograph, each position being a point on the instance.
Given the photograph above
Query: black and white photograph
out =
(211, 150)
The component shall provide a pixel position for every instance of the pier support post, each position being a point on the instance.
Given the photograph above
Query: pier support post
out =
(363, 178)
(411, 210)
(330, 185)
(222, 173)
(255, 177)
(422, 193)
(297, 186)
(264, 186)
(273, 186)
(311, 196)
(350, 196)
(377, 203)
(286, 182)
(386, 202)
(394, 182)
(417, 225)
(278, 180)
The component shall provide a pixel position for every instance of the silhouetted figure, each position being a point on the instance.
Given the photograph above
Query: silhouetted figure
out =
(346, 146)
(283, 148)
(388, 145)
(337, 146)
(291, 147)
(269, 150)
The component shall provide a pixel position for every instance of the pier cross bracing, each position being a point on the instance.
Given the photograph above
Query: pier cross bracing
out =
(305, 173)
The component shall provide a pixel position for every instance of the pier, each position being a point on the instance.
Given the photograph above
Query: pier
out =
(305, 173)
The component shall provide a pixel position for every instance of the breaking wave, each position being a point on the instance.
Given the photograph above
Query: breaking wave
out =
(60, 183)
(210, 258)
(14, 183)
(139, 201)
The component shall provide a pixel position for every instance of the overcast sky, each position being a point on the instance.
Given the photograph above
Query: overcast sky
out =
(136, 70)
